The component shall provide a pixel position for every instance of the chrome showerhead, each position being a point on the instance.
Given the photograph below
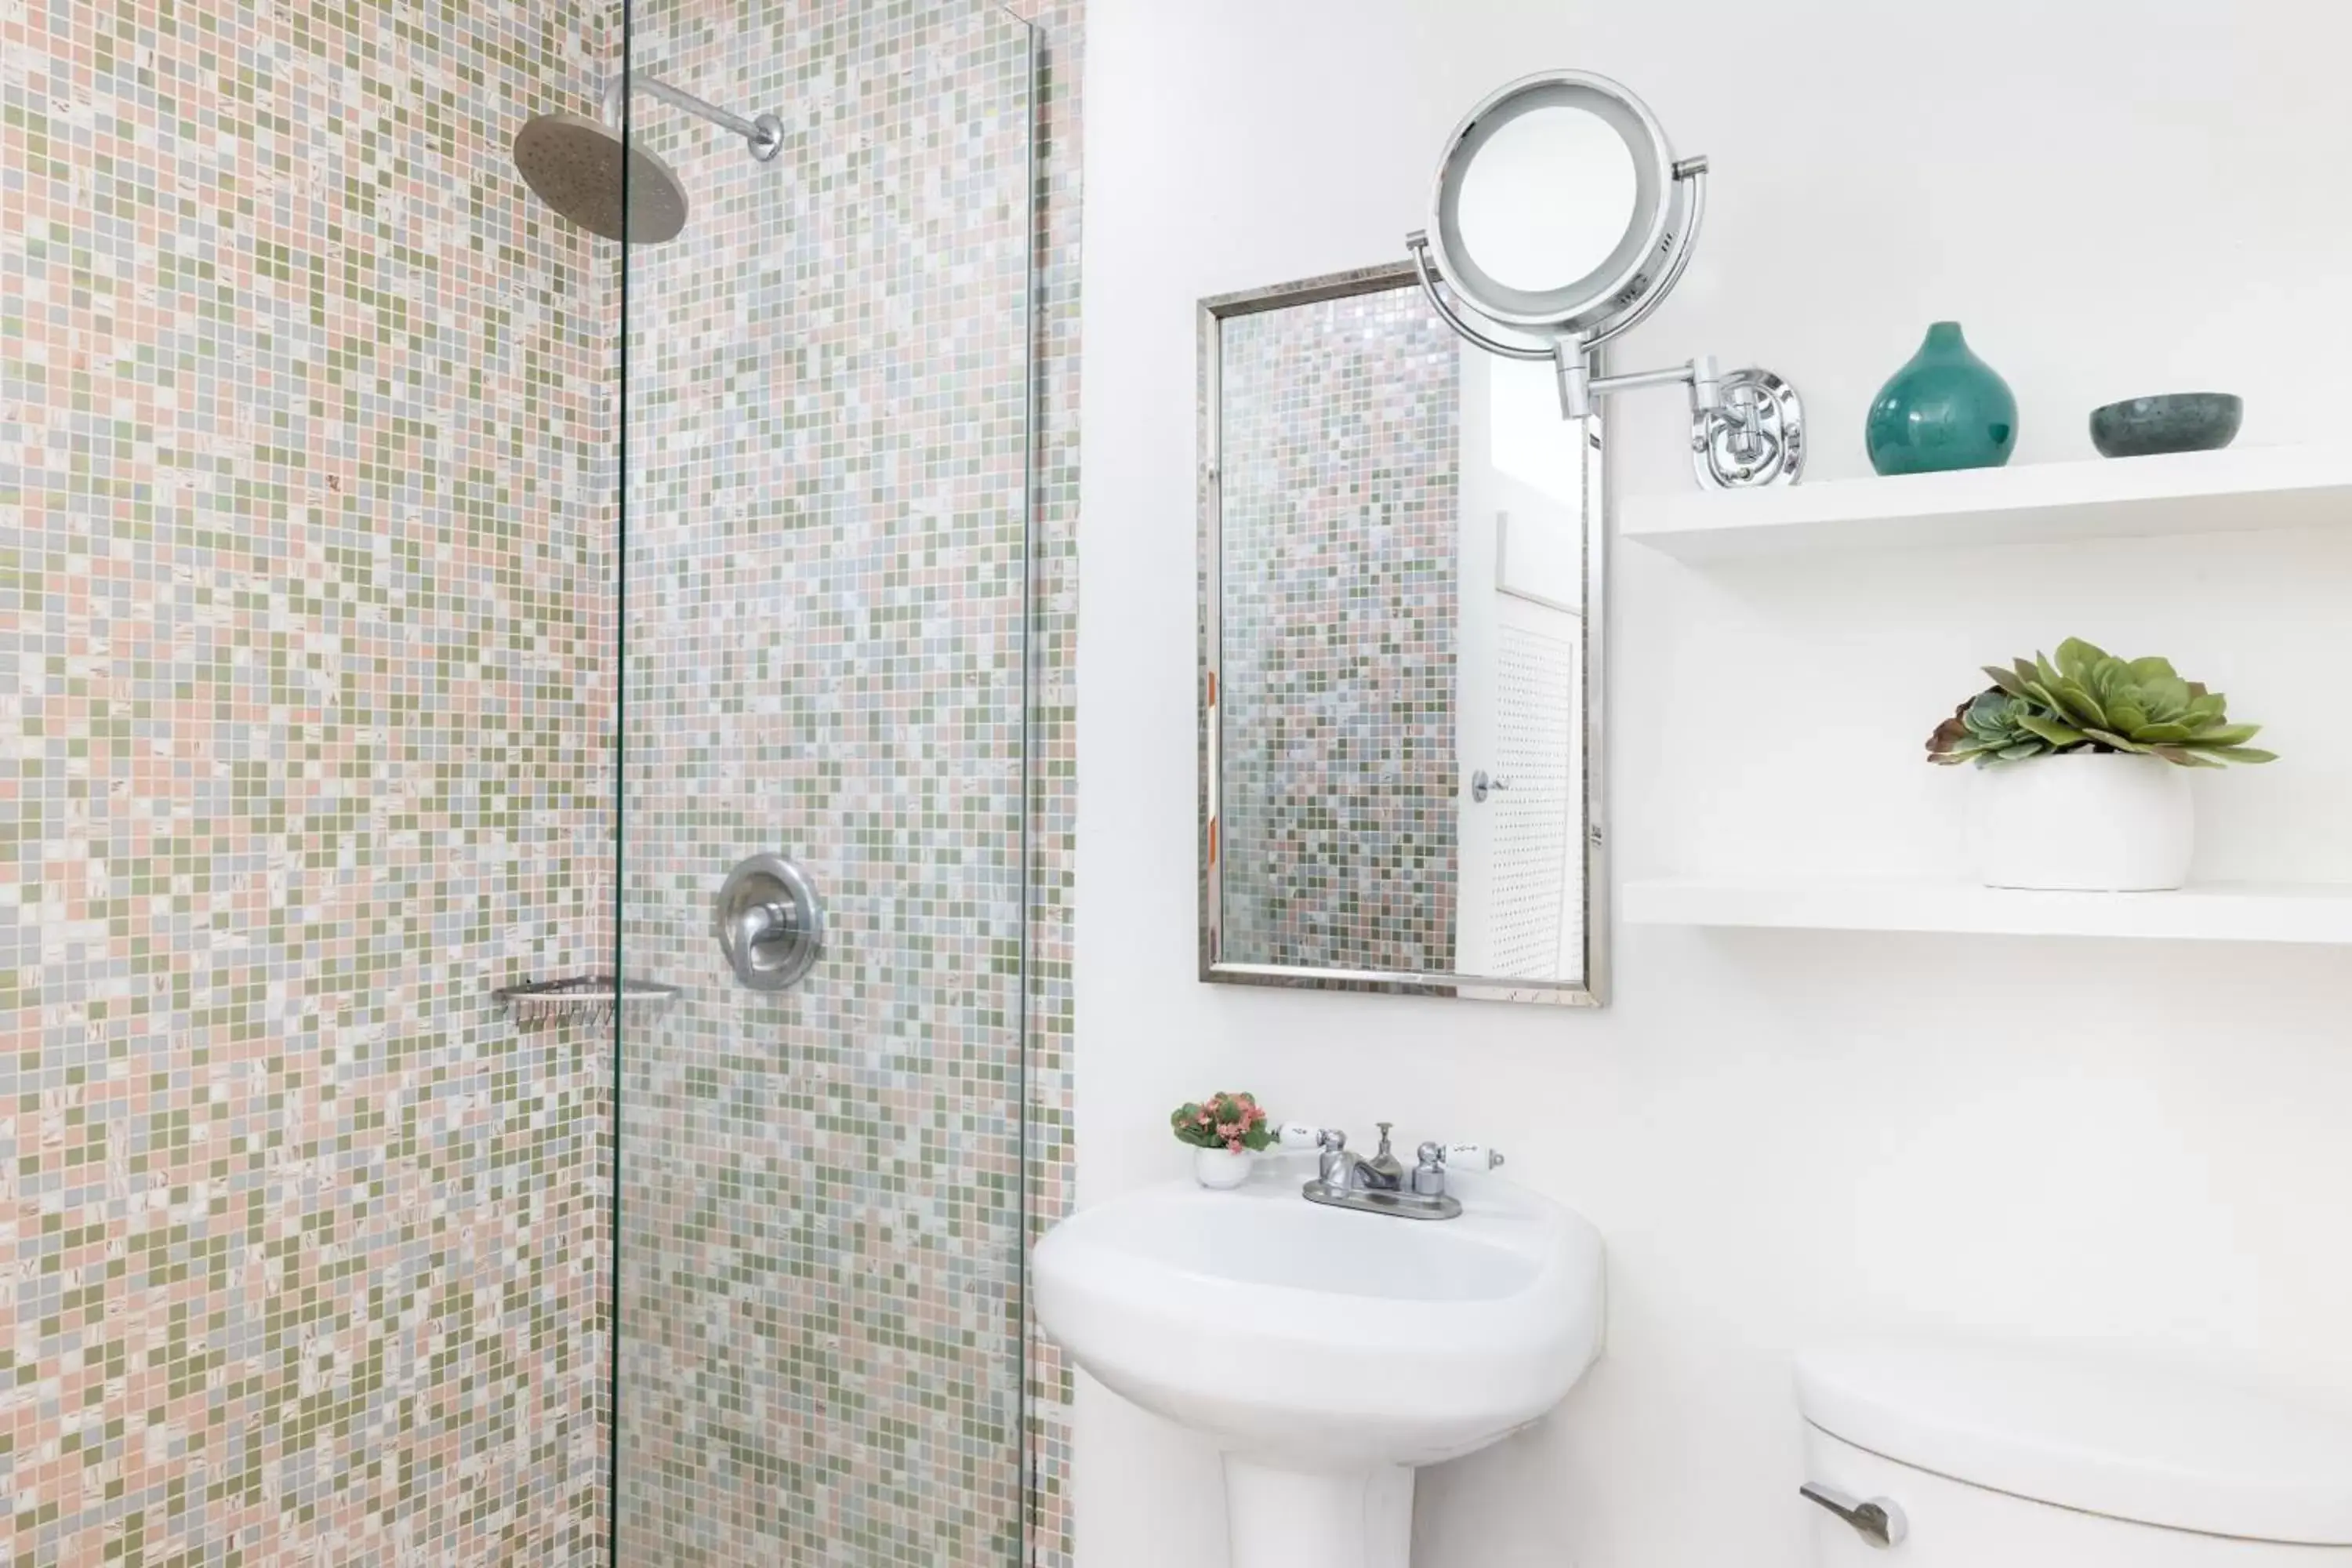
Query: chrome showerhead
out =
(575, 165)
(575, 162)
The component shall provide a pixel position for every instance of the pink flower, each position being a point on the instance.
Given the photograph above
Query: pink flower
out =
(1235, 1146)
(1229, 1131)
(1203, 1119)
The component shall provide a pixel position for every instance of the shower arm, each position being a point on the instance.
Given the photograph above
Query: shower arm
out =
(765, 135)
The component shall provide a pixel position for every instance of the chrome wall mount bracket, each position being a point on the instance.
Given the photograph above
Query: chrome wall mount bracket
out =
(1757, 437)
(1585, 145)
(770, 922)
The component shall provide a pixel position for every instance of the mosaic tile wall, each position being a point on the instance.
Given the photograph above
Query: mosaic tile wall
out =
(827, 570)
(1341, 507)
(305, 609)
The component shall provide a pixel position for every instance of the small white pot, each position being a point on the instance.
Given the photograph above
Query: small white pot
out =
(1220, 1168)
(2084, 822)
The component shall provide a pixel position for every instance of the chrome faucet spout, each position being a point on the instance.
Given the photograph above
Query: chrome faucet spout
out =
(1357, 1174)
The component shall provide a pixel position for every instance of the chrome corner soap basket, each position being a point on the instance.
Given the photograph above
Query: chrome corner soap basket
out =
(595, 999)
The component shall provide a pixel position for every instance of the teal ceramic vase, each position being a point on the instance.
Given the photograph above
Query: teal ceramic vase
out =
(1946, 410)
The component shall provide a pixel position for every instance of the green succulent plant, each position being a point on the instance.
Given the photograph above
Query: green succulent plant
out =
(1991, 728)
(2090, 700)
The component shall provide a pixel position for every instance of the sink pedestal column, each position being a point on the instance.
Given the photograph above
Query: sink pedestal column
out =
(1278, 1518)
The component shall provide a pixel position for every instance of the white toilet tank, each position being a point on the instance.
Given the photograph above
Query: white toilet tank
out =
(2008, 1459)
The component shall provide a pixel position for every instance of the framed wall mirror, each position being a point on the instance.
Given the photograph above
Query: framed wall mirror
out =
(1403, 556)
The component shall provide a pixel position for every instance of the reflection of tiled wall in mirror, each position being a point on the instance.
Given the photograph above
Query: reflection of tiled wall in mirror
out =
(1340, 512)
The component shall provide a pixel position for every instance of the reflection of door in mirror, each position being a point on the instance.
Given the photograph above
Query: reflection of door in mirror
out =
(1339, 428)
(1519, 669)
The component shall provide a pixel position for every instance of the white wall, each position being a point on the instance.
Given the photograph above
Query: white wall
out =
(1786, 1137)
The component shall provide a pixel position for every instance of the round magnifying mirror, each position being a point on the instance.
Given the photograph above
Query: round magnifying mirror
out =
(1547, 199)
(1556, 208)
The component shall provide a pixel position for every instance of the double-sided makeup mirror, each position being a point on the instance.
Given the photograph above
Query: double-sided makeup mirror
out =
(1562, 218)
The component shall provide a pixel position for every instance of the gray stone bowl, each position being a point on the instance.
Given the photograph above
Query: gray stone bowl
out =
(2173, 422)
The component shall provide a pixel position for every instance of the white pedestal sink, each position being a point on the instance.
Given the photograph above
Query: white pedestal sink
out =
(1327, 1352)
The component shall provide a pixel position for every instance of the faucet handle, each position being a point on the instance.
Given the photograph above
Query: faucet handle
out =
(1472, 1157)
(1331, 1162)
(1428, 1172)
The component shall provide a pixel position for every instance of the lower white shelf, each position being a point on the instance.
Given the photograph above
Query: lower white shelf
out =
(2309, 913)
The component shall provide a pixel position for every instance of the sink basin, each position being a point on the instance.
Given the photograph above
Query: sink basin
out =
(1327, 1352)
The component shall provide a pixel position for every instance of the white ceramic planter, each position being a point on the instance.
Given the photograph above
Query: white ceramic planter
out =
(1220, 1168)
(2083, 822)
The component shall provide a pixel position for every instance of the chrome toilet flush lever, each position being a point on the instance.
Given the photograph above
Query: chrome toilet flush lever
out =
(1382, 1185)
(1879, 1522)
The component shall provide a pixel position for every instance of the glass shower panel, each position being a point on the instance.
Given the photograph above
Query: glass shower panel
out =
(827, 489)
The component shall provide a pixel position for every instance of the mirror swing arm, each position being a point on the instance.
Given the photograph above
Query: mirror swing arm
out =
(1746, 426)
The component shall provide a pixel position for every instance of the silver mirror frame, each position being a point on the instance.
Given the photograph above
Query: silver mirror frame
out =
(1589, 991)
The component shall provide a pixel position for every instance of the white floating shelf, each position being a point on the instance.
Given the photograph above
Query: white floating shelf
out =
(2308, 914)
(2233, 490)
